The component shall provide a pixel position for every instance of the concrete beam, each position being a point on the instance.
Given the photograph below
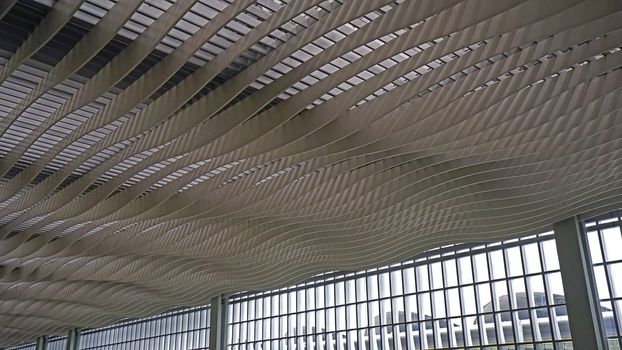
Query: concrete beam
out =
(41, 343)
(218, 323)
(73, 339)
(582, 303)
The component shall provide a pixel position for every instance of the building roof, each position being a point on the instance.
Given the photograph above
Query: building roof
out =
(155, 153)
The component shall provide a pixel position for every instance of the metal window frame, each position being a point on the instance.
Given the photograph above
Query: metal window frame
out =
(434, 256)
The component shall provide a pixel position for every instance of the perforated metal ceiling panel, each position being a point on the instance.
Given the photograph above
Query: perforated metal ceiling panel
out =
(155, 153)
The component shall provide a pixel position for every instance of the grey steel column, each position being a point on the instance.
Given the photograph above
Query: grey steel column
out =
(42, 343)
(73, 339)
(218, 323)
(586, 323)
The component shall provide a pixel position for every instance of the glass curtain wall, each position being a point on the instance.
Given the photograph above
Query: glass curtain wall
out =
(506, 295)
(57, 343)
(54, 343)
(185, 329)
(605, 242)
(182, 329)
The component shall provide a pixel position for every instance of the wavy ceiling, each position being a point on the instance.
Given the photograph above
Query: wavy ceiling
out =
(156, 153)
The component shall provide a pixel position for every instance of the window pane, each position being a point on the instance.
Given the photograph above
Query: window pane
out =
(283, 303)
(310, 292)
(535, 287)
(396, 283)
(438, 304)
(361, 289)
(329, 295)
(519, 296)
(531, 256)
(594, 244)
(385, 312)
(374, 313)
(549, 252)
(362, 315)
(409, 280)
(515, 264)
(351, 291)
(607, 312)
(301, 301)
(501, 296)
(372, 287)
(330, 319)
(468, 300)
(615, 274)
(437, 275)
(451, 273)
(601, 282)
(319, 297)
(384, 285)
(422, 278)
(497, 263)
(398, 310)
(612, 242)
(411, 308)
(484, 298)
(340, 293)
(466, 271)
(481, 267)
(453, 302)
(555, 288)
(341, 318)
(425, 306)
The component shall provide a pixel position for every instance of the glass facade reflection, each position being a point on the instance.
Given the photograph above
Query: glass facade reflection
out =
(493, 296)
(605, 242)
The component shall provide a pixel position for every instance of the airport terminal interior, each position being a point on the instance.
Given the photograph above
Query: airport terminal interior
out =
(310, 174)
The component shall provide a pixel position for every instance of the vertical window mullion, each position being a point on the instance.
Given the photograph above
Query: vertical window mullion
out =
(365, 300)
(390, 323)
(405, 319)
(514, 311)
(546, 292)
(535, 331)
(492, 298)
(608, 279)
(478, 307)
(433, 311)
(446, 300)
(508, 287)
(336, 316)
(458, 286)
